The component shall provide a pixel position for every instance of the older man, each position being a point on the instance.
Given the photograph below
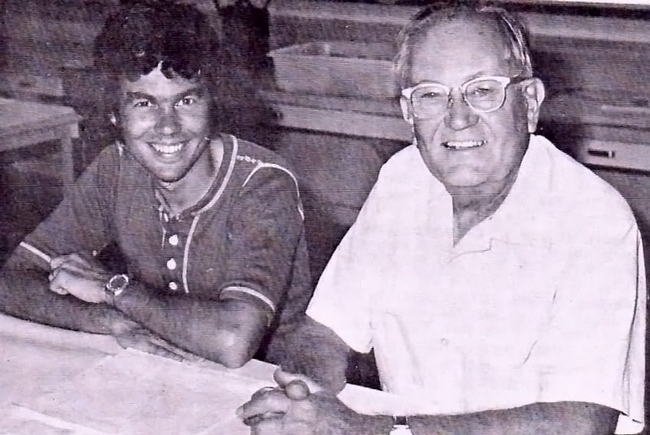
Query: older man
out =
(210, 226)
(499, 282)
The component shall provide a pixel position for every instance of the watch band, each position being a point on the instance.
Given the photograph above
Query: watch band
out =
(400, 426)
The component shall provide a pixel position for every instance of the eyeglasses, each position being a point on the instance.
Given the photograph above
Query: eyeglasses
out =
(483, 94)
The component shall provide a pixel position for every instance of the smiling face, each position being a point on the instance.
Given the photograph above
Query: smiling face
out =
(464, 148)
(165, 123)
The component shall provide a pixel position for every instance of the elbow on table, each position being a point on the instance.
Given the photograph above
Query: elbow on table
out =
(236, 349)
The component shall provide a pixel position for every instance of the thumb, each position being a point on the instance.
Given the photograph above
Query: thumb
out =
(294, 383)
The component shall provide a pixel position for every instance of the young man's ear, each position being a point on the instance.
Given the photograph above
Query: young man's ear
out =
(407, 113)
(534, 93)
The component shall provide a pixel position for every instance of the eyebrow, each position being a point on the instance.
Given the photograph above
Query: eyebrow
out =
(199, 91)
(467, 79)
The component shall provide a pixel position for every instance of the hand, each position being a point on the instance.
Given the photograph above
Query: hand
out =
(146, 341)
(298, 407)
(85, 279)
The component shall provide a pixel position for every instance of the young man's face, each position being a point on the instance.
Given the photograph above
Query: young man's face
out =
(462, 147)
(165, 123)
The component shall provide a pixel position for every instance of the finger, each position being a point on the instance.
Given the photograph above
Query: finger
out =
(161, 351)
(80, 266)
(83, 269)
(58, 284)
(59, 290)
(271, 402)
(297, 390)
(262, 391)
(144, 335)
(58, 261)
(284, 378)
(144, 345)
(53, 274)
(182, 353)
(267, 426)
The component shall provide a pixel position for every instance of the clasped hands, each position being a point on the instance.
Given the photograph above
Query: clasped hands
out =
(298, 406)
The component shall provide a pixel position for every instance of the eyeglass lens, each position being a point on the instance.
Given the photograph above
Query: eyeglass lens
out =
(482, 95)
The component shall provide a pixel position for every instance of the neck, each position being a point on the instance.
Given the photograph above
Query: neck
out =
(188, 191)
(473, 205)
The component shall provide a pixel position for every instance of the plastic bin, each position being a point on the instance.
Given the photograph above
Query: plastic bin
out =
(339, 68)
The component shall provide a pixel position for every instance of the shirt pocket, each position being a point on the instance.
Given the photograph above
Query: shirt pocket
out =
(505, 298)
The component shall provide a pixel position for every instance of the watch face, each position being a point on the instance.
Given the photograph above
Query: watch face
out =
(117, 283)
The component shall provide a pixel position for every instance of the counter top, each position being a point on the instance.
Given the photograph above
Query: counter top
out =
(568, 107)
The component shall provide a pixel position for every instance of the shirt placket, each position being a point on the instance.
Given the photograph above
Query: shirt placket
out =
(174, 239)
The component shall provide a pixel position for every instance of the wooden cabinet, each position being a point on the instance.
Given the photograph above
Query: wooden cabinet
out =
(43, 38)
(48, 56)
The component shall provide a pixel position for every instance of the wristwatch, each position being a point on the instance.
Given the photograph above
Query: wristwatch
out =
(115, 287)
(400, 426)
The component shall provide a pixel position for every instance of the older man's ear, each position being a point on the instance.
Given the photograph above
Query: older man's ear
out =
(534, 93)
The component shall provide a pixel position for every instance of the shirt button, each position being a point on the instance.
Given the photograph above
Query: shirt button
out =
(171, 264)
(444, 341)
(173, 240)
(173, 286)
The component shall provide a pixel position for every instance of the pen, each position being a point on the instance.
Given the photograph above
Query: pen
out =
(36, 251)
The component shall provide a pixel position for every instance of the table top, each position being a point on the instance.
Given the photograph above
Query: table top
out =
(18, 116)
(56, 381)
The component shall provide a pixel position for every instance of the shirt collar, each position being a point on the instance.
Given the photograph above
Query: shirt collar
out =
(219, 179)
(515, 220)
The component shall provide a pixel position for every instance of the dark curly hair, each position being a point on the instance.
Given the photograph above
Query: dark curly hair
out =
(144, 34)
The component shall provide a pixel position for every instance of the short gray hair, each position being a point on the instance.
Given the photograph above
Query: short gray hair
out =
(509, 27)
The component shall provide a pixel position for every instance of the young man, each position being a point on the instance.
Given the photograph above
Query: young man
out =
(210, 226)
(500, 283)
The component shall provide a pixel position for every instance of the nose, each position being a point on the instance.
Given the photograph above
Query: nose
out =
(168, 122)
(459, 114)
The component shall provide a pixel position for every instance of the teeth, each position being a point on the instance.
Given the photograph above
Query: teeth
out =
(463, 144)
(167, 149)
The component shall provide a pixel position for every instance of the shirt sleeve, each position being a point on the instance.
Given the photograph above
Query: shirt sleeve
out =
(81, 223)
(593, 349)
(265, 229)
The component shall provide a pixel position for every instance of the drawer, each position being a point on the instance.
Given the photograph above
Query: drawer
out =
(613, 154)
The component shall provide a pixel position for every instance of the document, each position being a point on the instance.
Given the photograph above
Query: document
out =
(16, 420)
(139, 393)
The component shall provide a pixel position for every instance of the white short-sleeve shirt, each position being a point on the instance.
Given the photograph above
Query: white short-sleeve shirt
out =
(543, 301)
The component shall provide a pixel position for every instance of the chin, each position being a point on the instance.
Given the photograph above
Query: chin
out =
(169, 178)
(463, 179)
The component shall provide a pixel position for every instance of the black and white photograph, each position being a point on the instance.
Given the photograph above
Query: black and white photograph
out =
(324, 217)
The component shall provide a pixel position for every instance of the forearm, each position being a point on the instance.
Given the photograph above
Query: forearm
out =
(225, 332)
(309, 348)
(26, 294)
(559, 418)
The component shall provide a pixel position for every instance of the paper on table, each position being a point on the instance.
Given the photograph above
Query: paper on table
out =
(17, 420)
(37, 358)
(139, 393)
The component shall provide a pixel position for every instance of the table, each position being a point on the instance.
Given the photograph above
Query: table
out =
(26, 123)
(54, 381)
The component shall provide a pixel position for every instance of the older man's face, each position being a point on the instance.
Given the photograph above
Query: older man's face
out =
(462, 147)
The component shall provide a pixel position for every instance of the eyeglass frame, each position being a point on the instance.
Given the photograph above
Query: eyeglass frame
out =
(505, 81)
